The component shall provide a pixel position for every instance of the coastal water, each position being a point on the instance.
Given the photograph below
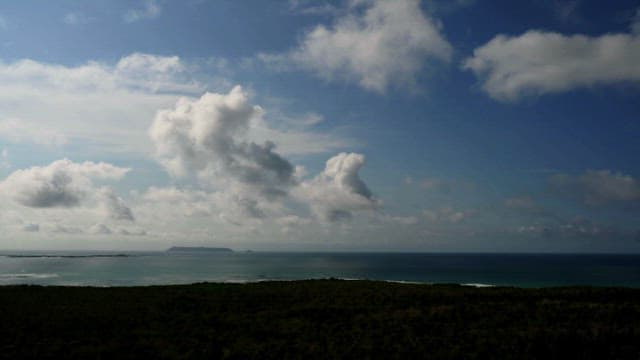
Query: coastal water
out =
(162, 268)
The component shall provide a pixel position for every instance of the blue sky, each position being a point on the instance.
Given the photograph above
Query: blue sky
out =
(346, 125)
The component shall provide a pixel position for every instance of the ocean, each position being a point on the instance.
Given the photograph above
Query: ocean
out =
(163, 268)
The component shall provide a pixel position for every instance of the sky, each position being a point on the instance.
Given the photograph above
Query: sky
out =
(354, 125)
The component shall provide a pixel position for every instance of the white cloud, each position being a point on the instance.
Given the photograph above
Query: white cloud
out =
(403, 220)
(48, 104)
(338, 191)
(538, 62)
(54, 104)
(76, 18)
(207, 137)
(297, 139)
(577, 227)
(599, 187)
(62, 183)
(376, 44)
(150, 9)
(155, 73)
(316, 8)
(132, 72)
(19, 131)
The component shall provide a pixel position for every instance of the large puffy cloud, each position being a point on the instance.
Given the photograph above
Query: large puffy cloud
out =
(212, 139)
(538, 62)
(599, 187)
(64, 197)
(208, 137)
(338, 191)
(375, 44)
(63, 183)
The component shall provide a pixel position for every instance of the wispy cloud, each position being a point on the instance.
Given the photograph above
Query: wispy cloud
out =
(4, 24)
(67, 96)
(76, 18)
(305, 7)
(150, 9)
(599, 187)
(4, 159)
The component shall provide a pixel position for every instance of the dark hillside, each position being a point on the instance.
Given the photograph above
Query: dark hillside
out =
(319, 319)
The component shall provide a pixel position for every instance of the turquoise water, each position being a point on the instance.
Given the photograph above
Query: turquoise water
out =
(159, 268)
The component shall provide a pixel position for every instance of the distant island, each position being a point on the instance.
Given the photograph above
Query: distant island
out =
(198, 249)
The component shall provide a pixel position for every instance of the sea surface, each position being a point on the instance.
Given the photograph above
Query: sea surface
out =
(163, 268)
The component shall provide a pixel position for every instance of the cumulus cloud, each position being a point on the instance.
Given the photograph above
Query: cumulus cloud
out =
(539, 62)
(338, 191)
(376, 44)
(212, 140)
(150, 9)
(62, 183)
(207, 137)
(599, 187)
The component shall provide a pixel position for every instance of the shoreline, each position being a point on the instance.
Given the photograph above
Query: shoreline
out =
(276, 280)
